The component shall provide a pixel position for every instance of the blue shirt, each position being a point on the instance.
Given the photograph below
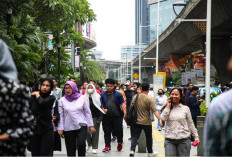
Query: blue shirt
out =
(194, 106)
(118, 98)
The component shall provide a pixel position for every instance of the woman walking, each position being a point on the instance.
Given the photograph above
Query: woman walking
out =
(93, 99)
(160, 101)
(179, 126)
(75, 119)
(42, 103)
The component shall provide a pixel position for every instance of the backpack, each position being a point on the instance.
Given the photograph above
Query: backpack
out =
(131, 116)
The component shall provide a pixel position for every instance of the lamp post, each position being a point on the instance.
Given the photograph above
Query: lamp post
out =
(58, 47)
(178, 3)
(157, 39)
(8, 20)
(208, 52)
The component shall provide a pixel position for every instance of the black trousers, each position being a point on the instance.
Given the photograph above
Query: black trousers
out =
(112, 123)
(75, 140)
(42, 145)
(136, 131)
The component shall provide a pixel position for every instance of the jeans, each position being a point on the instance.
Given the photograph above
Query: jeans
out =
(112, 123)
(158, 126)
(136, 131)
(177, 147)
(74, 140)
(92, 139)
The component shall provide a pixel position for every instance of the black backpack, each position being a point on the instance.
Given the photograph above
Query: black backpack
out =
(131, 116)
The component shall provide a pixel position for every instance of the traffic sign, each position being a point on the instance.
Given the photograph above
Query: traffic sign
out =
(135, 75)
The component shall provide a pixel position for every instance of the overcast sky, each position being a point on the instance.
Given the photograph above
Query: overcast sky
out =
(115, 26)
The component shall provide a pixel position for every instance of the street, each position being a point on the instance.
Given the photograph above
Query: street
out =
(158, 145)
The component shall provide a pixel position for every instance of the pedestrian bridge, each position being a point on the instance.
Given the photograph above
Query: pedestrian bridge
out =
(183, 38)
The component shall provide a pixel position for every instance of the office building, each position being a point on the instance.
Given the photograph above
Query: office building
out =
(142, 17)
(167, 15)
(129, 52)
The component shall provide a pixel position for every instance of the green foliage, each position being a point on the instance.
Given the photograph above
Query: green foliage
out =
(27, 41)
(203, 109)
(90, 69)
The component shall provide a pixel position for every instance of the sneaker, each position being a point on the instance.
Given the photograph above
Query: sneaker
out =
(132, 153)
(159, 129)
(163, 128)
(95, 151)
(88, 148)
(106, 149)
(152, 154)
(119, 147)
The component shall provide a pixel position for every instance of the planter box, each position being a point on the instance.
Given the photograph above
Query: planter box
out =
(200, 129)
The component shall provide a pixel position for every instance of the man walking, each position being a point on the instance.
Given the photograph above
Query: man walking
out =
(194, 104)
(115, 109)
(57, 92)
(188, 93)
(145, 104)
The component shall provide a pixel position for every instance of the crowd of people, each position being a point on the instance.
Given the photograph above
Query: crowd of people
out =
(38, 116)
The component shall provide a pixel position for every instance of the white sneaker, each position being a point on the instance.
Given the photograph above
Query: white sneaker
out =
(88, 148)
(152, 154)
(95, 151)
(132, 153)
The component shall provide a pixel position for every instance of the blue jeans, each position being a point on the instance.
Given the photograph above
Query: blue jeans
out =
(158, 126)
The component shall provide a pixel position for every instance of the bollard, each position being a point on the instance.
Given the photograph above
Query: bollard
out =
(200, 129)
(142, 146)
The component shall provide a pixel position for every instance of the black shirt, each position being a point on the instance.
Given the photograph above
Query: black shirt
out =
(129, 95)
(112, 108)
(42, 111)
(94, 110)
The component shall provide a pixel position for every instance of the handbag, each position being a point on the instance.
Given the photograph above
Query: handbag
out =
(131, 116)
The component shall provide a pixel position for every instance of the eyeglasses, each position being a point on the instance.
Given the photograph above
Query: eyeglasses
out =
(68, 88)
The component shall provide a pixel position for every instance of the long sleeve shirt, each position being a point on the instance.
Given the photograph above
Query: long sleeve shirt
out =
(179, 123)
(194, 106)
(75, 114)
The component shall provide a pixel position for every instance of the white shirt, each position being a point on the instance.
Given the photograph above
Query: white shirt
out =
(160, 99)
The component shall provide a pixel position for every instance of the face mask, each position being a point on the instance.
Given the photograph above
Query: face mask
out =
(90, 91)
(160, 93)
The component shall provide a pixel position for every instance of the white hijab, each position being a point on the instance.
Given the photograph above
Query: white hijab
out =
(95, 97)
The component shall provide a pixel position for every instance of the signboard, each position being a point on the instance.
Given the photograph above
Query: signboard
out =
(199, 71)
(77, 61)
(158, 83)
(164, 74)
(135, 75)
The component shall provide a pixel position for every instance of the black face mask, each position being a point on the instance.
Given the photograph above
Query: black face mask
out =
(160, 93)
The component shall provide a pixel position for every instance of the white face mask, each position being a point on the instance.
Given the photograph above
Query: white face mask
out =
(90, 91)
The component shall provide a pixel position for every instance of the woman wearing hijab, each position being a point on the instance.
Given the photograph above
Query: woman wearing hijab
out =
(75, 119)
(42, 103)
(15, 124)
(93, 99)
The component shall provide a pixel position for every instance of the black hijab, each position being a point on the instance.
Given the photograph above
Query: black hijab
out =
(44, 95)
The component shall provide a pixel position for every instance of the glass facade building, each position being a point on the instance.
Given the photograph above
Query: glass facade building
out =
(167, 16)
(129, 52)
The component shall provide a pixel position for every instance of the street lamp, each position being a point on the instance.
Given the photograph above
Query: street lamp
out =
(178, 3)
(58, 47)
(8, 20)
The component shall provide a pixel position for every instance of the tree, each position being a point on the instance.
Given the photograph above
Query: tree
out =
(27, 41)
(90, 69)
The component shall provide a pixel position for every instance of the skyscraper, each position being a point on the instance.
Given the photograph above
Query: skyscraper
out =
(142, 17)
